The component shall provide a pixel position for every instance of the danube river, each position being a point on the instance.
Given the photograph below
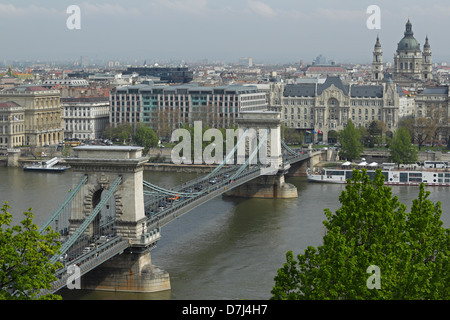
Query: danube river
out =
(228, 248)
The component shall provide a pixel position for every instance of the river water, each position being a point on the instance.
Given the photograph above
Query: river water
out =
(228, 248)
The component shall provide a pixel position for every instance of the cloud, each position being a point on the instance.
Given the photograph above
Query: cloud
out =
(11, 11)
(261, 8)
(108, 9)
(190, 6)
(341, 15)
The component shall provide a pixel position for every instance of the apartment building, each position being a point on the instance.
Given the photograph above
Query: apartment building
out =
(85, 118)
(183, 104)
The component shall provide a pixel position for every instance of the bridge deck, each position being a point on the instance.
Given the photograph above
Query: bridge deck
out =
(223, 182)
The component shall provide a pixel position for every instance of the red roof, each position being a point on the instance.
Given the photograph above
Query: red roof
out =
(8, 104)
(32, 88)
(326, 69)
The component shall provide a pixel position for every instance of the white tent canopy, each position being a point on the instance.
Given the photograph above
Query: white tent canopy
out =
(346, 163)
(363, 164)
(373, 164)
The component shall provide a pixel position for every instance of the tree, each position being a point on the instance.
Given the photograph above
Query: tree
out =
(291, 136)
(408, 124)
(123, 132)
(375, 133)
(424, 130)
(25, 267)
(372, 230)
(351, 147)
(402, 151)
(146, 137)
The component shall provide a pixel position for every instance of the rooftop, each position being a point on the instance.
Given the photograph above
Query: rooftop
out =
(9, 104)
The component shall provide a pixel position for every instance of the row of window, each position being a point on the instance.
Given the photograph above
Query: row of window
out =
(334, 102)
(332, 110)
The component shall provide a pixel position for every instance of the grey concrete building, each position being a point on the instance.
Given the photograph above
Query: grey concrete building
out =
(183, 104)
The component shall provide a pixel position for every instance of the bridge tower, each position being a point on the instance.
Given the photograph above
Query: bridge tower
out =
(132, 270)
(271, 183)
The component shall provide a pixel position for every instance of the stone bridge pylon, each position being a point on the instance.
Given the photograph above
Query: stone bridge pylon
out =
(132, 270)
(271, 183)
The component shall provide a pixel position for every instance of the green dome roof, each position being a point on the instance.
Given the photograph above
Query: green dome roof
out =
(408, 43)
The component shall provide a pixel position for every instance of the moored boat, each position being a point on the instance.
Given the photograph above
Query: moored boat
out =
(406, 176)
(48, 166)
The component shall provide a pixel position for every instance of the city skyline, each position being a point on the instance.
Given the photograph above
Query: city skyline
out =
(269, 31)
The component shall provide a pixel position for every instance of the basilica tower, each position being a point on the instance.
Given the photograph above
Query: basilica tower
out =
(377, 64)
(410, 64)
(426, 61)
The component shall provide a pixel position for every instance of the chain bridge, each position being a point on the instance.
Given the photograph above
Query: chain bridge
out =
(112, 218)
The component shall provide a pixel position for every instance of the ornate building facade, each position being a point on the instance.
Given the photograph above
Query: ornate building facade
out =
(321, 110)
(411, 64)
(43, 121)
(12, 131)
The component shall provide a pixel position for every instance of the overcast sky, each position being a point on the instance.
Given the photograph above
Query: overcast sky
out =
(266, 30)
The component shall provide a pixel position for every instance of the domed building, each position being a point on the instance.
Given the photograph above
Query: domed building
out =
(410, 63)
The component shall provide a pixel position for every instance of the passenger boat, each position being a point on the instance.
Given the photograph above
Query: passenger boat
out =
(48, 166)
(430, 176)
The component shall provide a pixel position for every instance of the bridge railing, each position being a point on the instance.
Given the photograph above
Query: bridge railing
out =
(87, 262)
(176, 209)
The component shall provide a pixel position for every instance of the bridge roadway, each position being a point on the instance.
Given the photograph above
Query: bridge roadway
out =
(207, 190)
(208, 187)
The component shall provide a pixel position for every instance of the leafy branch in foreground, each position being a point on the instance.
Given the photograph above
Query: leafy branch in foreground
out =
(25, 267)
(372, 228)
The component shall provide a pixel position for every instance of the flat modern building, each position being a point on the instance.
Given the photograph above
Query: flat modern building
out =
(174, 106)
(166, 74)
(43, 123)
(85, 118)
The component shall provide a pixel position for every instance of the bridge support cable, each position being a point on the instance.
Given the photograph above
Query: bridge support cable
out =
(253, 154)
(178, 209)
(74, 237)
(285, 146)
(228, 157)
(166, 191)
(63, 205)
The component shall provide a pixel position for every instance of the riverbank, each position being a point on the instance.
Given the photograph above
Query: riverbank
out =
(156, 167)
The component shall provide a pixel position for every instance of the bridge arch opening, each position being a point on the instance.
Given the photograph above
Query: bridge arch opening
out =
(103, 223)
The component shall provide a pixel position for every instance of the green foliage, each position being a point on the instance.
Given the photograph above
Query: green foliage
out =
(402, 151)
(349, 138)
(291, 135)
(25, 267)
(123, 132)
(372, 227)
(146, 137)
